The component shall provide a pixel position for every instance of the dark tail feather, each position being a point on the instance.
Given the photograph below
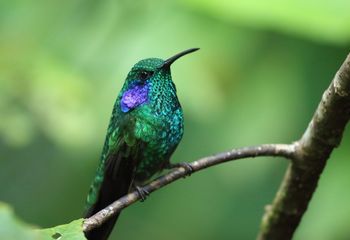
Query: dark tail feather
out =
(105, 198)
(103, 231)
(116, 183)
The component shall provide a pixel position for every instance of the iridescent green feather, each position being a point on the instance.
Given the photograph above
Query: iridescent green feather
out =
(145, 128)
(158, 123)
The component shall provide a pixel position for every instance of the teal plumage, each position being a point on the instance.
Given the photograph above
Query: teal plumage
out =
(145, 128)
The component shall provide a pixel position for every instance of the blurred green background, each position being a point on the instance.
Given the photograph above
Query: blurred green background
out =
(260, 73)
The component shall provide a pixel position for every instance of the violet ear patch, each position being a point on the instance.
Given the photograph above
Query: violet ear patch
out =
(134, 97)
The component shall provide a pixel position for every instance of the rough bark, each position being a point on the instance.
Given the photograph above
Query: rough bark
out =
(323, 134)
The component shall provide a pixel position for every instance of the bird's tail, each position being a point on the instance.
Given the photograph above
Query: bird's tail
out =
(107, 194)
(102, 232)
(116, 183)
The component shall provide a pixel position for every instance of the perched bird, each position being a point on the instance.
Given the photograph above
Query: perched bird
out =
(145, 128)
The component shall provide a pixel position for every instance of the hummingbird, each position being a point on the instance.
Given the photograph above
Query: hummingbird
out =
(145, 128)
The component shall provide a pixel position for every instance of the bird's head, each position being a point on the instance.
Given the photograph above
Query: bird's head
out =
(151, 74)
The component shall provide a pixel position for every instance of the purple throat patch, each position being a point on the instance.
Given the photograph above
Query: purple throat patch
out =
(134, 97)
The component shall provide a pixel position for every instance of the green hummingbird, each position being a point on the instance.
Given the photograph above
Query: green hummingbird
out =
(145, 128)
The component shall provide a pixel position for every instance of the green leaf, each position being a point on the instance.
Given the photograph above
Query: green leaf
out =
(70, 231)
(11, 228)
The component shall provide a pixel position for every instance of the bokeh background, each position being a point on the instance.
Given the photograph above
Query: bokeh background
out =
(260, 73)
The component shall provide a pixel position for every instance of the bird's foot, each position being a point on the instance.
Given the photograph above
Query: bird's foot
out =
(187, 166)
(143, 193)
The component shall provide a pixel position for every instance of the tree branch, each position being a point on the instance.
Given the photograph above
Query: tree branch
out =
(272, 150)
(323, 134)
(308, 155)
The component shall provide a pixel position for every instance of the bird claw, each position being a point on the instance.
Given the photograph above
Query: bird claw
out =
(188, 168)
(143, 193)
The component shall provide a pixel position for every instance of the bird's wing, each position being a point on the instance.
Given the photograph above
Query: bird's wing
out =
(114, 177)
(118, 163)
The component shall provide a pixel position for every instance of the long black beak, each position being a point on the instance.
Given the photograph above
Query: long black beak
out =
(172, 59)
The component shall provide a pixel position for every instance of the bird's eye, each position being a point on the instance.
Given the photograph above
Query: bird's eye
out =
(144, 75)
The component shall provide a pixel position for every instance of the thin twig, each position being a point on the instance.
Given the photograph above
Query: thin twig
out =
(273, 150)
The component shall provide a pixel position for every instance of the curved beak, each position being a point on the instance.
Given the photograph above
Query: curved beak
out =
(172, 59)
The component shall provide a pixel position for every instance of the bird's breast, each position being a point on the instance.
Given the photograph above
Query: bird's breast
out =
(152, 127)
(161, 134)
